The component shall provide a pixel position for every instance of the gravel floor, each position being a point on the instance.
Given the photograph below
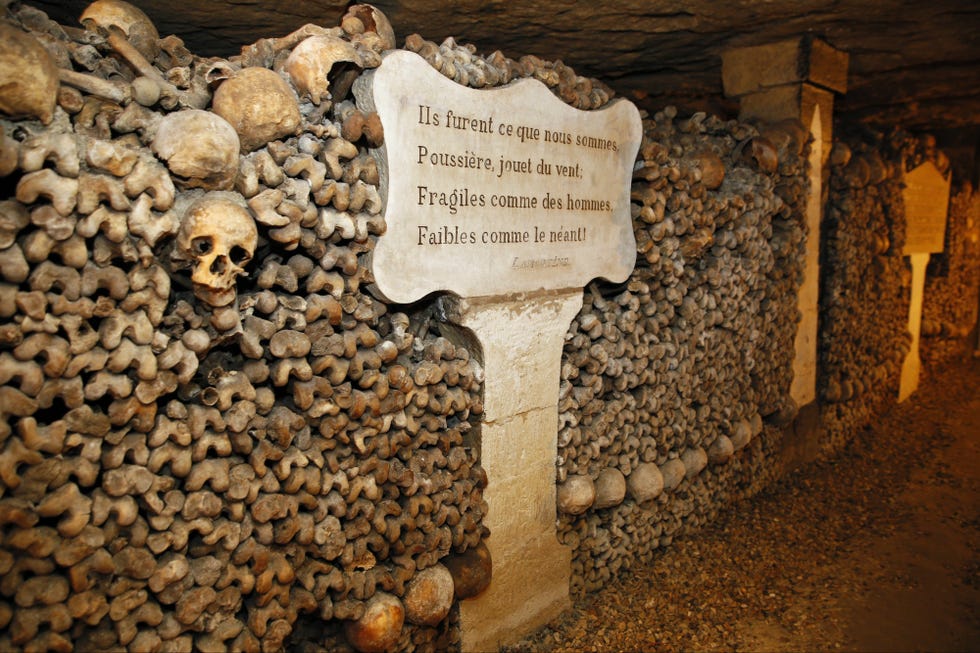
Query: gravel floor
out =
(878, 550)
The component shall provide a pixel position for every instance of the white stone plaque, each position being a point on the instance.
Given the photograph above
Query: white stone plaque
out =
(499, 191)
(926, 198)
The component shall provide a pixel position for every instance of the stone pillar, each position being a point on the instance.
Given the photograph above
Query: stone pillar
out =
(521, 341)
(795, 79)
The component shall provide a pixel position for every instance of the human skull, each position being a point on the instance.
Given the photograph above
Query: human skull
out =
(310, 63)
(136, 25)
(368, 26)
(199, 147)
(28, 76)
(259, 104)
(217, 239)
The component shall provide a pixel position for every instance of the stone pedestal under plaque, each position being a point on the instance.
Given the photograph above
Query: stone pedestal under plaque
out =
(521, 341)
(512, 201)
(926, 199)
(912, 366)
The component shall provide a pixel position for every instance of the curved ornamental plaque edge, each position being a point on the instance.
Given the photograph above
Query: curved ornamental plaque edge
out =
(496, 191)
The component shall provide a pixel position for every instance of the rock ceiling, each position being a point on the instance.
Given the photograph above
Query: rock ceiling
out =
(914, 64)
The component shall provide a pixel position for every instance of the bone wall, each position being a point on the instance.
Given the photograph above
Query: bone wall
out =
(211, 435)
(673, 383)
(296, 465)
(949, 310)
(866, 286)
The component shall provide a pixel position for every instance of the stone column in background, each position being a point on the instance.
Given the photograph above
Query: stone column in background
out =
(795, 80)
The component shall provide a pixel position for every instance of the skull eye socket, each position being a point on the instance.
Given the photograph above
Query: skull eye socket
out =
(238, 255)
(201, 246)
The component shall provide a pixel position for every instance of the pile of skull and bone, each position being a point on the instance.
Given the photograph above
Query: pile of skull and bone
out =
(291, 448)
(373, 380)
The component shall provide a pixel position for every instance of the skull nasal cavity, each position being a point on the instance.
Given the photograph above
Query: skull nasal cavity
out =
(218, 265)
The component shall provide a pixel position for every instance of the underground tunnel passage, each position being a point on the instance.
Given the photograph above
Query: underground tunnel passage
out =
(404, 327)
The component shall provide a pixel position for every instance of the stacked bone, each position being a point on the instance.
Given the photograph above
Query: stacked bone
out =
(666, 378)
(949, 309)
(211, 435)
(462, 64)
(915, 150)
(865, 289)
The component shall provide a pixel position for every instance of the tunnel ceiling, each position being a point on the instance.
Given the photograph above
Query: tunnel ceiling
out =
(913, 64)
